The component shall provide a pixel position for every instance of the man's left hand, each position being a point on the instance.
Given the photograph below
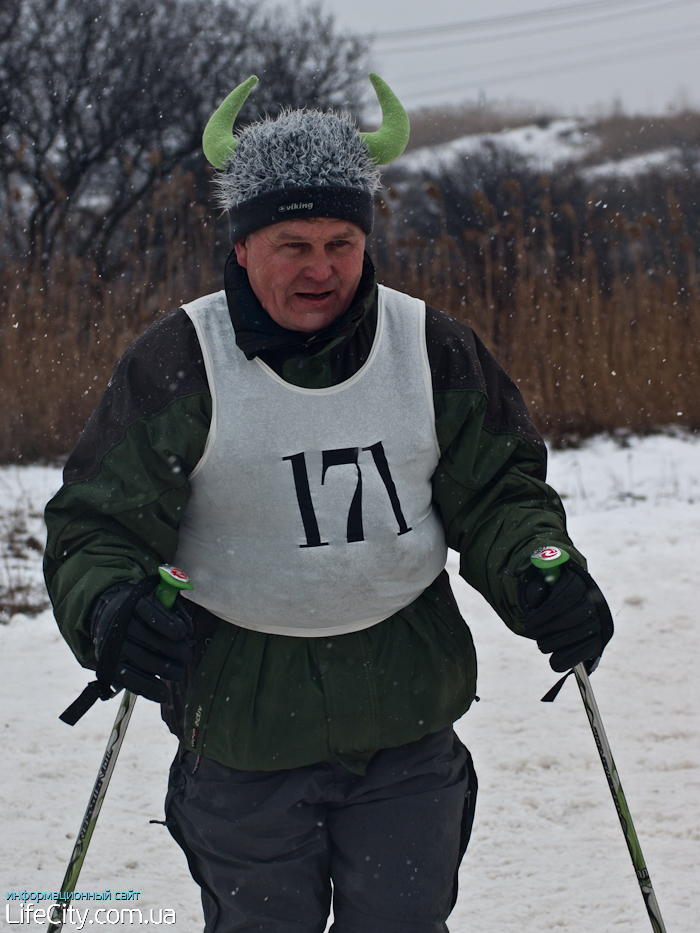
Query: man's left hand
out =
(570, 618)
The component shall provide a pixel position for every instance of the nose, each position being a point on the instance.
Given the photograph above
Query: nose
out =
(318, 267)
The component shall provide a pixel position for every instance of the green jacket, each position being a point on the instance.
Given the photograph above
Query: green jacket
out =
(262, 702)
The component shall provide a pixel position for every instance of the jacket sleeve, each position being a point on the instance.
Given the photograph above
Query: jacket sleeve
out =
(125, 489)
(490, 482)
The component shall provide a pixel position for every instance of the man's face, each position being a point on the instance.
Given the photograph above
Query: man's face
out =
(304, 272)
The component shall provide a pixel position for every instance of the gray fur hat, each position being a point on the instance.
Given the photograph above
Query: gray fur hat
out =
(303, 163)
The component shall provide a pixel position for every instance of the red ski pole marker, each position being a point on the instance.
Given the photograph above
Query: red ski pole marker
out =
(549, 559)
(172, 581)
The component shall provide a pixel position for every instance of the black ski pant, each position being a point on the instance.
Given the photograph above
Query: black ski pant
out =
(264, 846)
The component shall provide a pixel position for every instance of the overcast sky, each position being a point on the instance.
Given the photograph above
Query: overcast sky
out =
(572, 55)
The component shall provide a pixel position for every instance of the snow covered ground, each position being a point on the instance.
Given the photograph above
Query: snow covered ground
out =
(547, 853)
(545, 147)
(662, 159)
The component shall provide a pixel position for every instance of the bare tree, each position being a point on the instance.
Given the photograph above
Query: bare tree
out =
(100, 98)
(304, 62)
(9, 20)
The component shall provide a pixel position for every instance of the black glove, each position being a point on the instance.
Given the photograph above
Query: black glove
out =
(570, 618)
(154, 646)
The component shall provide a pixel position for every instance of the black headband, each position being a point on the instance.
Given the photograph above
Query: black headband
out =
(351, 204)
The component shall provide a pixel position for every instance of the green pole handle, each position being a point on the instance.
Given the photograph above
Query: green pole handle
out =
(549, 560)
(172, 581)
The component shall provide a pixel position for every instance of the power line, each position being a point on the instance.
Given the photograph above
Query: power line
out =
(568, 66)
(541, 13)
(598, 44)
(539, 30)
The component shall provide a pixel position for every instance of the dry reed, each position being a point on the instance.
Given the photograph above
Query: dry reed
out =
(63, 328)
(589, 355)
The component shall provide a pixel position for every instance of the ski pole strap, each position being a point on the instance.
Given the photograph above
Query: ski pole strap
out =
(101, 689)
(551, 695)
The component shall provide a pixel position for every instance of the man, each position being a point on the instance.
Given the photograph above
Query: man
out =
(306, 444)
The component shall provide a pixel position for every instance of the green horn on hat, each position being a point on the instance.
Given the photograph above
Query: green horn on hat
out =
(391, 138)
(218, 140)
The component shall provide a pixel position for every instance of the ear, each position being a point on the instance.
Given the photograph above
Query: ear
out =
(242, 252)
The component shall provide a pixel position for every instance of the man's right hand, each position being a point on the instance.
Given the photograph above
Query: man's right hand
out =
(154, 647)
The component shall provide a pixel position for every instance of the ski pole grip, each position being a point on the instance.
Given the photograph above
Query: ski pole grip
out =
(549, 560)
(172, 580)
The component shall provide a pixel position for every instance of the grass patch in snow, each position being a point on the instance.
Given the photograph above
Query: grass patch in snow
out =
(21, 546)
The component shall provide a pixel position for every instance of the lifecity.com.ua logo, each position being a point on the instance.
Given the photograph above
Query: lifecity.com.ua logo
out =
(29, 912)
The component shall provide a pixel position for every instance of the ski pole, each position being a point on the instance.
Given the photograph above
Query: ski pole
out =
(549, 561)
(618, 795)
(172, 581)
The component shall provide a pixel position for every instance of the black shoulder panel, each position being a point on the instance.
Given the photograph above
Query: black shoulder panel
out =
(163, 364)
(452, 352)
(459, 360)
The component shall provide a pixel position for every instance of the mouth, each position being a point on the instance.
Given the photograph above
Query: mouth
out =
(314, 297)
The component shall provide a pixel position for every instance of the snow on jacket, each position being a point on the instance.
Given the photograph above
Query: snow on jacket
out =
(260, 701)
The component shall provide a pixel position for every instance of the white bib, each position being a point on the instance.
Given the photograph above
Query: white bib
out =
(311, 509)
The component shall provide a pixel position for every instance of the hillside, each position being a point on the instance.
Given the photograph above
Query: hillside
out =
(616, 146)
